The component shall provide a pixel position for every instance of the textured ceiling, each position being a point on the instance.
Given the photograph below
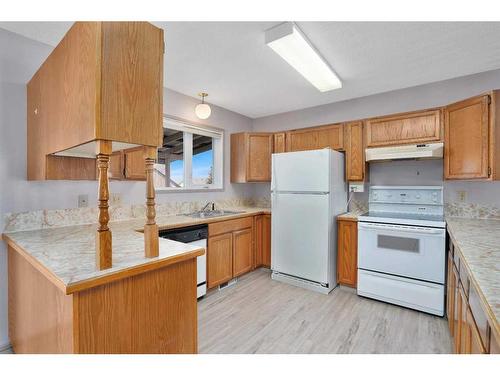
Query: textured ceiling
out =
(231, 62)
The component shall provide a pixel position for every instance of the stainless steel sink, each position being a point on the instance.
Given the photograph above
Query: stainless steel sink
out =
(211, 213)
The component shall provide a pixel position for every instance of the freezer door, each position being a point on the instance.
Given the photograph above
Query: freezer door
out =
(305, 171)
(300, 235)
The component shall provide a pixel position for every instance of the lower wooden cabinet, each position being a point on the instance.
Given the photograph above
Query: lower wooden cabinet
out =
(469, 327)
(219, 259)
(266, 241)
(236, 247)
(242, 251)
(347, 252)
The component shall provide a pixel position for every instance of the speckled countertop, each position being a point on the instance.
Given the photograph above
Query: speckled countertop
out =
(68, 253)
(478, 241)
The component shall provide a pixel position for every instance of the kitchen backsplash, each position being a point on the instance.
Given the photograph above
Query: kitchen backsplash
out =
(75, 216)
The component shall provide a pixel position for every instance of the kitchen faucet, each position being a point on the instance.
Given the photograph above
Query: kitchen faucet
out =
(208, 204)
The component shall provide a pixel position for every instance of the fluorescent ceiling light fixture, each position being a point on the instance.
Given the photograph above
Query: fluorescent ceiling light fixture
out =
(288, 41)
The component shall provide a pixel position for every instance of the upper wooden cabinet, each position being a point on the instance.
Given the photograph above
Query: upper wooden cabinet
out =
(405, 128)
(251, 157)
(103, 81)
(127, 164)
(354, 151)
(279, 143)
(316, 138)
(472, 137)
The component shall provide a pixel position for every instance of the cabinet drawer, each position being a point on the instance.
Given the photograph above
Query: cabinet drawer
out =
(229, 226)
(464, 277)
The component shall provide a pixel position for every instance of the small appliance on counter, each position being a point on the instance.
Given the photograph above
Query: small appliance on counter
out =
(307, 192)
(401, 247)
(197, 236)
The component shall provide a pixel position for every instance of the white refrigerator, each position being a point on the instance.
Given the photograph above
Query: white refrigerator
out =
(308, 191)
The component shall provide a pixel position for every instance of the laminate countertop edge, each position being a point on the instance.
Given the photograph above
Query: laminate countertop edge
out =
(119, 274)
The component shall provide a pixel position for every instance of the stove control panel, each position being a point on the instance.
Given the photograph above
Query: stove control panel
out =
(421, 195)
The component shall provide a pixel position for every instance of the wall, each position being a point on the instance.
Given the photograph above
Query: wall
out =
(19, 59)
(410, 99)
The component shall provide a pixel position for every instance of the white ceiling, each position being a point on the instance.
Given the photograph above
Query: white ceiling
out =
(231, 62)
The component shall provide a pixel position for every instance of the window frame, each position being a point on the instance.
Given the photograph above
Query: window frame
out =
(189, 128)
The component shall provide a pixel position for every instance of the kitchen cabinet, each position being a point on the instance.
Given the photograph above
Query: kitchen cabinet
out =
(354, 151)
(279, 142)
(266, 240)
(127, 164)
(316, 138)
(347, 251)
(115, 94)
(242, 251)
(262, 241)
(219, 259)
(472, 139)
(405, 128)
(468, 323)
(230, 250)
(251, 157)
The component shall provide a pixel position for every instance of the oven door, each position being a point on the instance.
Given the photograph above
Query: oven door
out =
(415, 252)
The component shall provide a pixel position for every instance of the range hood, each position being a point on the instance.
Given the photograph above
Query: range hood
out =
(421, 151)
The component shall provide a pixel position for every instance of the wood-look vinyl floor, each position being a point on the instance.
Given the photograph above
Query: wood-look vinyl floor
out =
(260, 315)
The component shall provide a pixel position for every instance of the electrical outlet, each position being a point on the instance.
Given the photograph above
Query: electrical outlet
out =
(83, 200)
(461, 195)
(116, 199)
(356, 187)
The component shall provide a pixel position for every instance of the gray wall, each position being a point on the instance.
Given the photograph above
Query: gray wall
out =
(19, 59)
(410, 99)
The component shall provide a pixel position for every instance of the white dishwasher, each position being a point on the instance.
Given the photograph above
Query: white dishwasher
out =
(196, 236)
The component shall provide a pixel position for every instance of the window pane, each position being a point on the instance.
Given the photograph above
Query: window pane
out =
(203, 160)
(169, 172)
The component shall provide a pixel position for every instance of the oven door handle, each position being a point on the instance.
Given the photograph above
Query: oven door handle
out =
(400, 228)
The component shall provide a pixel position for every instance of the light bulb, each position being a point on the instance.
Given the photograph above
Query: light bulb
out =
(203, 111)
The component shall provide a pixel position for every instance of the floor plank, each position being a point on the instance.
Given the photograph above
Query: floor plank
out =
(259, 315)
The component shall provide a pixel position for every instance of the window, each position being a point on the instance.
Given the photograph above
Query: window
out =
(190, 158)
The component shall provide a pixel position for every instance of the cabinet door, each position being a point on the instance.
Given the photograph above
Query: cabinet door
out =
(450, 303)
(466, 139)
(456, 311)
(463, 330)
(316, 138)
(405, 128)
(219, 259)
(135, 168)
(242, 251)
(474, 344)
(331, 136)
(279, 143)
(258, 153)
(116, 166)
(301, 140)
(258, 240)
(347, 261)
(266, 241)
(355, 151)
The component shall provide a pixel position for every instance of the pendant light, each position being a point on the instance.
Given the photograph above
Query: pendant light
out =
(203, 110)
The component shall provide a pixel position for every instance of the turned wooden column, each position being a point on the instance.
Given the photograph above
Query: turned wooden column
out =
(103, 250)
(151, 246)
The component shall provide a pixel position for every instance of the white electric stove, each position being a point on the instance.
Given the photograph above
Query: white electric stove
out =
(401, 247)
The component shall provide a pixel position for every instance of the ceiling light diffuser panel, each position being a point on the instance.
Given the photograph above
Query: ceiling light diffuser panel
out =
(291, 44)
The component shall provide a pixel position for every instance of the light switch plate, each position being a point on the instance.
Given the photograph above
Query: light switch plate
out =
(461, 195)
(83, 200)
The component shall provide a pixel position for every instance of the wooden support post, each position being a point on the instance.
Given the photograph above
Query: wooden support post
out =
(151, 245)
(103, 236)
